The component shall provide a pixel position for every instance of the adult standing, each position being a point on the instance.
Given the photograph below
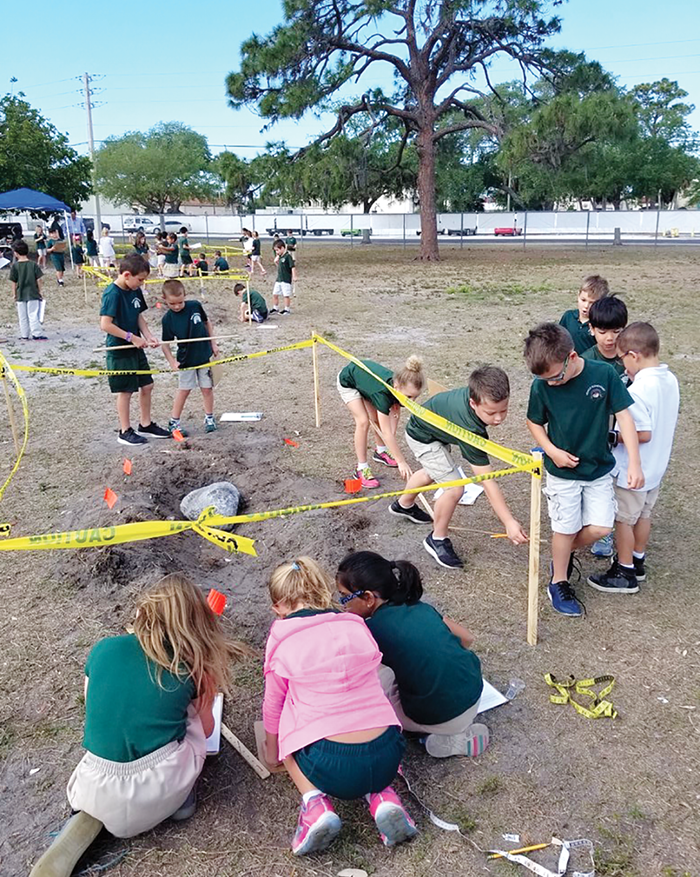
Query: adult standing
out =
(75, 225)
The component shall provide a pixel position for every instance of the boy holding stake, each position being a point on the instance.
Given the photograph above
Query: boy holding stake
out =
(575, 321)
(483, 403)
(185, 320)
(25, 277)
(121, 317)
(286, 276)
(257, 302)
(575, 398)
(655, 413)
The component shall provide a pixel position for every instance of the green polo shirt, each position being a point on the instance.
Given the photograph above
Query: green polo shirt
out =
(127, 714)
(291, 243)
(25, 275)
(256, 247)
(577, 415)
(190, 322)
(124, 306)
(594, 354)
(284, 268)
(40, 241)
(579, 331)
(454, 406)
(438, 679)
(353, 377)
(91, 247)
(221, 264)
(259, 303)
(170, 249)
(78, 254)
(184, 246)
(142, 251)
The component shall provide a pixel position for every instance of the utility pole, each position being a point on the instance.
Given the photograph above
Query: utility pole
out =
(91, 143)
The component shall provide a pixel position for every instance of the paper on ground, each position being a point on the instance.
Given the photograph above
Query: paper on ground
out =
(214, 739)
(490, 698)
(240, 416)
(470, 494)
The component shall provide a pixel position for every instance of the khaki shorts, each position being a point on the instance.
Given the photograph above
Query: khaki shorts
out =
(436, 459)
(198, 377)
(170, 270)
(634, 504)
(347, 394)
(575, 504)
(135, 796)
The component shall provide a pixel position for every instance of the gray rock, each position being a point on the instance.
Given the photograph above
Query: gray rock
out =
(224, 496)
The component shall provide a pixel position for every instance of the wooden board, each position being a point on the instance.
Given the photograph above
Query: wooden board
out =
(217, 372)
(259, 729)
(435, 387)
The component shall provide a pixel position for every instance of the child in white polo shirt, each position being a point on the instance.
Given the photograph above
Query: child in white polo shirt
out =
(655, 412)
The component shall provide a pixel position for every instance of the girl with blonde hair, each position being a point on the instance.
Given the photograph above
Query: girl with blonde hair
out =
(325, 714)
(148, 712)
(370, 402)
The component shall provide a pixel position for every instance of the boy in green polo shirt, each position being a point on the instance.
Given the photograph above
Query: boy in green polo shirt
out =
(57, 251)
(187, 265)
(286, 276)
(220, 264)
(607, 318)
(25, 277)
(576, 321)
(574, 398)
(187, 319)
(483, 403)
(259, 305)
(121, 317)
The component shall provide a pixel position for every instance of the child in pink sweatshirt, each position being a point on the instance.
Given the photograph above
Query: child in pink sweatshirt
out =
(325, 714)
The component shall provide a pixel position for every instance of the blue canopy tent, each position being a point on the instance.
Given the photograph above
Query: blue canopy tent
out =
(33, 201)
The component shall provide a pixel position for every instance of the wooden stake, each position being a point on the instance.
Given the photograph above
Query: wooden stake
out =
(176, 341)
(533, 580)
(317, 395)
(10, 413)
(245, 753)
(85, 286)
(250, 303)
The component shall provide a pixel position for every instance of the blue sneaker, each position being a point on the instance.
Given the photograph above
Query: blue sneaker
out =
(603, 547)
(563, 599)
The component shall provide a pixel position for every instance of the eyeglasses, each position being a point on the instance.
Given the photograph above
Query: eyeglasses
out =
(623, 355)
(346, 598)
(556, 378)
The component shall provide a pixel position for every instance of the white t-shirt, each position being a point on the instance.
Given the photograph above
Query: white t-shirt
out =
(106, 247)
(655, 409)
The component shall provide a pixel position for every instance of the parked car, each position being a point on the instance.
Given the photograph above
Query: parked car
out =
(133, 224)
(354, 232)
(462, 232)
(507, 231)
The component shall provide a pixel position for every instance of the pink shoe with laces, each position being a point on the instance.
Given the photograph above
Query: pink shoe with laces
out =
(385, 458)
(392, 820)
(366, 477)
(317, 828)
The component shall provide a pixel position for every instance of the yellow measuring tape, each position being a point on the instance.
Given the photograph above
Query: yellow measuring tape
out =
(6, 373)
(599, 708)
(515, 458)
(101, 372)
(207, 523)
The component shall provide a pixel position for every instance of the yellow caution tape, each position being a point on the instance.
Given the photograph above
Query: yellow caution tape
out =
(101, 372)
(600, 708)
(6, 373)
(208, 521)
(515, 458)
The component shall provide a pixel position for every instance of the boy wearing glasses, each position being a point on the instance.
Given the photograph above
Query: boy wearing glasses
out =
(575, 398)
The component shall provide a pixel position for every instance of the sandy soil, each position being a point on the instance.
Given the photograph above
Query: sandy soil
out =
(631, 785)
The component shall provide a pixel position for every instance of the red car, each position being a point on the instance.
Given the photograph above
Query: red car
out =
(507, 231)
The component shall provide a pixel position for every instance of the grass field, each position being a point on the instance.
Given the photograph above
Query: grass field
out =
(629, 784)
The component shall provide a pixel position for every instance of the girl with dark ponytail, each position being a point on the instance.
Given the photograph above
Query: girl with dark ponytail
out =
(428, 672)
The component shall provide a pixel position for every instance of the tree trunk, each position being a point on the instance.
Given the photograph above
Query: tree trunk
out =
(426, 194)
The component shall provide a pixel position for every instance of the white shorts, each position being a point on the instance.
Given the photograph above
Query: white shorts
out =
(170, 270)
(436, 459)
(575, 504)
(198, 377)
(160, 259)
(283, 289)
(347, 394)
(135, 796)
(106, 261)
(255, 258)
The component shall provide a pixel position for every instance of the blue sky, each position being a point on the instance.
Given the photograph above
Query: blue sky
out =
(156, 63)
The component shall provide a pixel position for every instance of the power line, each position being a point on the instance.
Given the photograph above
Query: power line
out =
(637, 45)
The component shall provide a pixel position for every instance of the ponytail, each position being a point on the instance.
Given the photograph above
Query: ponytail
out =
(396, 581)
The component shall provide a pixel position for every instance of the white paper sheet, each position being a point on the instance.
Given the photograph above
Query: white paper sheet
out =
(240, 416)
(214, 740)
(490, 698)
(471, 491)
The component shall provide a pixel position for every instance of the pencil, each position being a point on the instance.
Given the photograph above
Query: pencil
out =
(521, 850)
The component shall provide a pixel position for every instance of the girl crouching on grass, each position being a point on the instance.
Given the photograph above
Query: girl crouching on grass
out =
(370, 402)
(325, 714)
(431, 677)
(148, 712)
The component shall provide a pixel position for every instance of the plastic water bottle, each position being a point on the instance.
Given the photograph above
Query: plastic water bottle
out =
(515, 686)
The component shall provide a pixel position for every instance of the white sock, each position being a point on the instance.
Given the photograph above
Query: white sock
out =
(438, 538)
(627, 565)
(381, 449)
(307, 796)
(640, 555)
(361, 466)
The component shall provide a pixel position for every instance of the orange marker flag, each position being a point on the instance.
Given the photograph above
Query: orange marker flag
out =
(216, 601)
(177, 435)
(127, 466)
(110, 497)
(291, 443)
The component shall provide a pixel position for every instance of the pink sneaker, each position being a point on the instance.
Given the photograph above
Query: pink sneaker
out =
(393, 822)
(386, 458)
(318, 826)
(366, 477)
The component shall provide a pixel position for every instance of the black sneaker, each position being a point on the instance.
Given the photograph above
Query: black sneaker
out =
(639, 569)
(154, 431)
(129, 437)
(285, 312)
(414, 514)
(274, 310)
(442, 551)
(617, 580)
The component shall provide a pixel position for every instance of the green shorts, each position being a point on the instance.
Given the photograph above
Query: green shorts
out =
(125, 360)
(351, 770)
(59, 261)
